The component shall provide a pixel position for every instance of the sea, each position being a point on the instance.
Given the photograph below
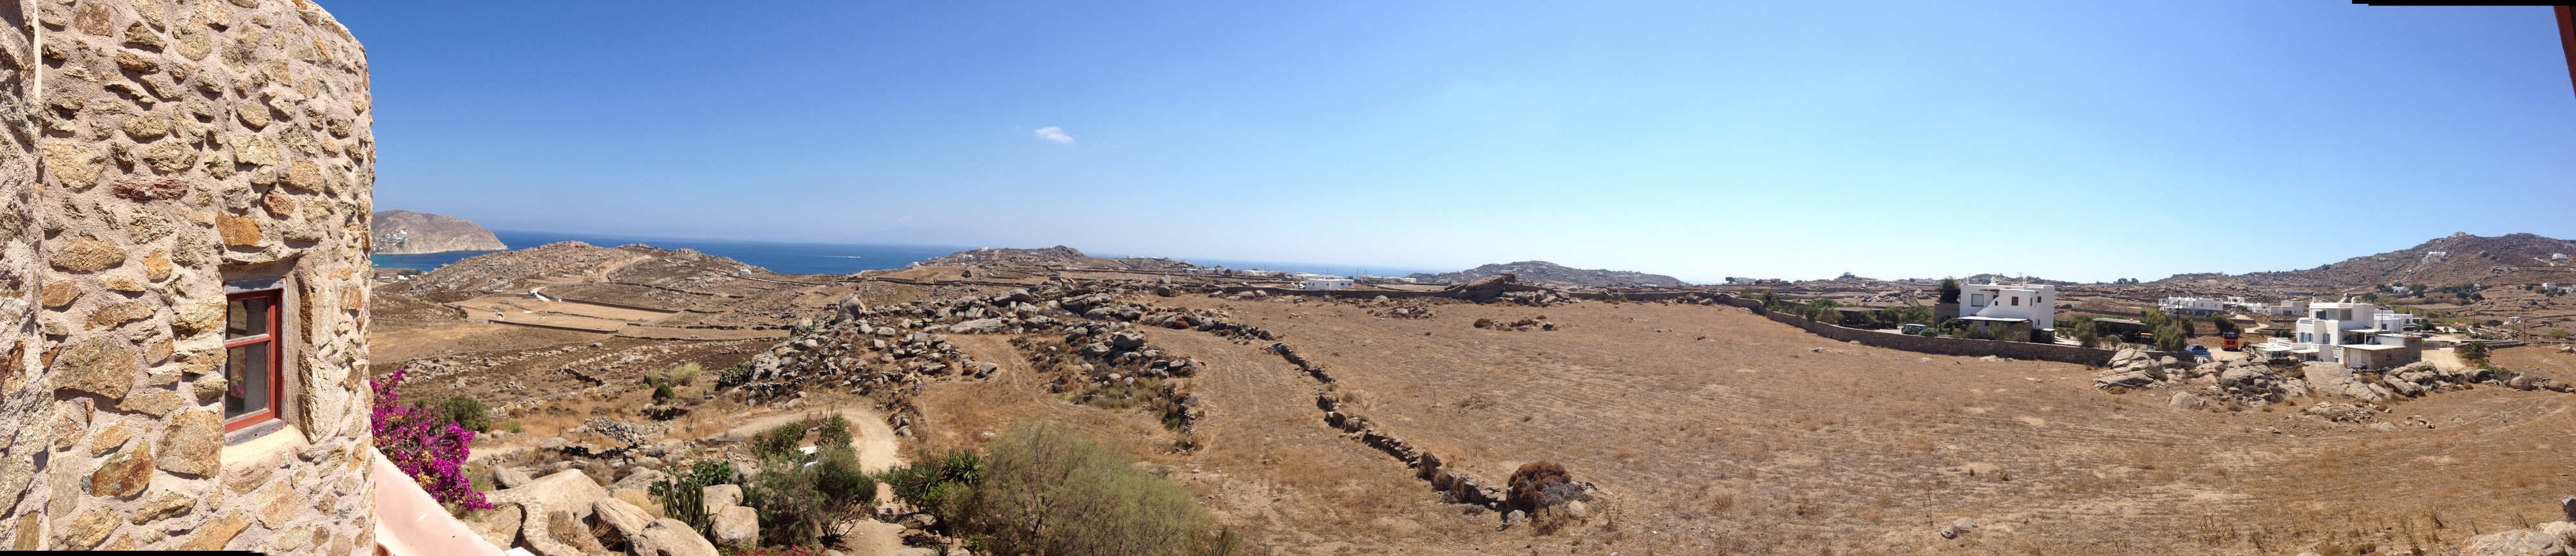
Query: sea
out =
(826, 258)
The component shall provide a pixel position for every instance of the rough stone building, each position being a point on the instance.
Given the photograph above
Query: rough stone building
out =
(184, 193)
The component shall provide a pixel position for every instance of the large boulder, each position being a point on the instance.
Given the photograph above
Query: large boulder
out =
(621, 516)
(639, 479)
(2125, 357)
(2184, 400)
(568, 490)
(511, 477)
(2519, 542)
(2333, 379)
(719, 496)
(737, 527)
(500, 526)
(669, 537)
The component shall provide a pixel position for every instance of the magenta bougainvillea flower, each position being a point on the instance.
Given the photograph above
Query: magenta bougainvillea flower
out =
(425, 446)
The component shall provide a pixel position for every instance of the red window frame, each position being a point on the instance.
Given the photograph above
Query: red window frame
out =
(275, 340)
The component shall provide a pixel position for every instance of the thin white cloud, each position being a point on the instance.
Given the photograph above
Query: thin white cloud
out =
(1056, 134)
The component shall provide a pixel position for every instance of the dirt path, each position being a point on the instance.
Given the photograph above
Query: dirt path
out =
(874, 440)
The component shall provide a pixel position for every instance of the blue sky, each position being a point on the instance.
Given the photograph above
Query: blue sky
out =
(2072, 140)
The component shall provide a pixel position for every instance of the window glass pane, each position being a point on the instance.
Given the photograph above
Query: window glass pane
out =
(247, 369)
(246, 317)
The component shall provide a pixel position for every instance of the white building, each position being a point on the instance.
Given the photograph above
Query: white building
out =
(2355, 334)
(2287, 308)
(2007, 302)
(2201, 306)
(1327, 284)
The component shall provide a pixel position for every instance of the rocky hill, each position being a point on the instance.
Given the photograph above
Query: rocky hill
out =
(1053, 257)
(403, 232)
(2455, 260)
(1543, 271)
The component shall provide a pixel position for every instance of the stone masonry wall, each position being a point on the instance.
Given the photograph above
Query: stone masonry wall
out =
(155, 150)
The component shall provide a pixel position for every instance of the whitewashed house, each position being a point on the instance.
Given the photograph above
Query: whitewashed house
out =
(2197, 306)
(1987, 308)
(2354, 334)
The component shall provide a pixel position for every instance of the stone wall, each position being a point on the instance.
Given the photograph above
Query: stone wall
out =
(157, 149)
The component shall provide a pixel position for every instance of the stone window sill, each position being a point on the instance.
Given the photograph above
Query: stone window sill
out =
(267, 438)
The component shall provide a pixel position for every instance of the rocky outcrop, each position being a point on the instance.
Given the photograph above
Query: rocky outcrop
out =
(401, 232)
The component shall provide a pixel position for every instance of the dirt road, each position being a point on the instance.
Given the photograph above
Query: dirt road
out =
(869, 434)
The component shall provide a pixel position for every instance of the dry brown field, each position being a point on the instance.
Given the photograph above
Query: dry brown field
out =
(1718, 431)
(1715, 431)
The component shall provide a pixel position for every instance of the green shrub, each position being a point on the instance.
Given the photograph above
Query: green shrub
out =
(513, 427)
(932, 484)
(682, 495)
(466, 412)
(736, 375)
(834, 434)
(792, 507)
(662, 392)
(778, 442)
(2169, 337)
(1047, 490)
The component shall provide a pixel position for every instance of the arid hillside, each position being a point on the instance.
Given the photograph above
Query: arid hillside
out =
(1551, 273)
(402, 232)
(2455, 260)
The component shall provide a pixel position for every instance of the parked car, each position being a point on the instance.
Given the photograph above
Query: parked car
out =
(1911, 328)
(2199, 351)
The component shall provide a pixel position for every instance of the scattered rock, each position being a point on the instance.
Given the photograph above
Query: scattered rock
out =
(2184, 400)
(736, 527)
(511, 477)
(569, 490)
(669, 537)
(2520, 542)
(722, 495)
(1956, 528)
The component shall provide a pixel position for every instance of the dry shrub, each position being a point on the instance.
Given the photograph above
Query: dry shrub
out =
(1049, 490)
(1529, 484)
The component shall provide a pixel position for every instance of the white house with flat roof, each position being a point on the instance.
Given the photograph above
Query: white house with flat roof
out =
(2355, 334)
(2016, 305)
(2198, 306)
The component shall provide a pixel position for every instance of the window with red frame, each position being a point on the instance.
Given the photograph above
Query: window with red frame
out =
(253, 346)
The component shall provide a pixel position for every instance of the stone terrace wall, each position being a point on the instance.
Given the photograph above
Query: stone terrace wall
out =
(157, 149)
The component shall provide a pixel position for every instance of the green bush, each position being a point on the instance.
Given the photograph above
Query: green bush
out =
(933, 483)
(736, 375)
(1047, 490)
(797, 501)
(2169, 337)
(834, 434)
(2474, 352)
(465, 412)
(683, 496)
(778, 442)
(662, 392)
(791, 505)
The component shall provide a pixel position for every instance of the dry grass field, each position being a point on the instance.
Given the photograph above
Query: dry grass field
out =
(1713, 430)
(1718, 431)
